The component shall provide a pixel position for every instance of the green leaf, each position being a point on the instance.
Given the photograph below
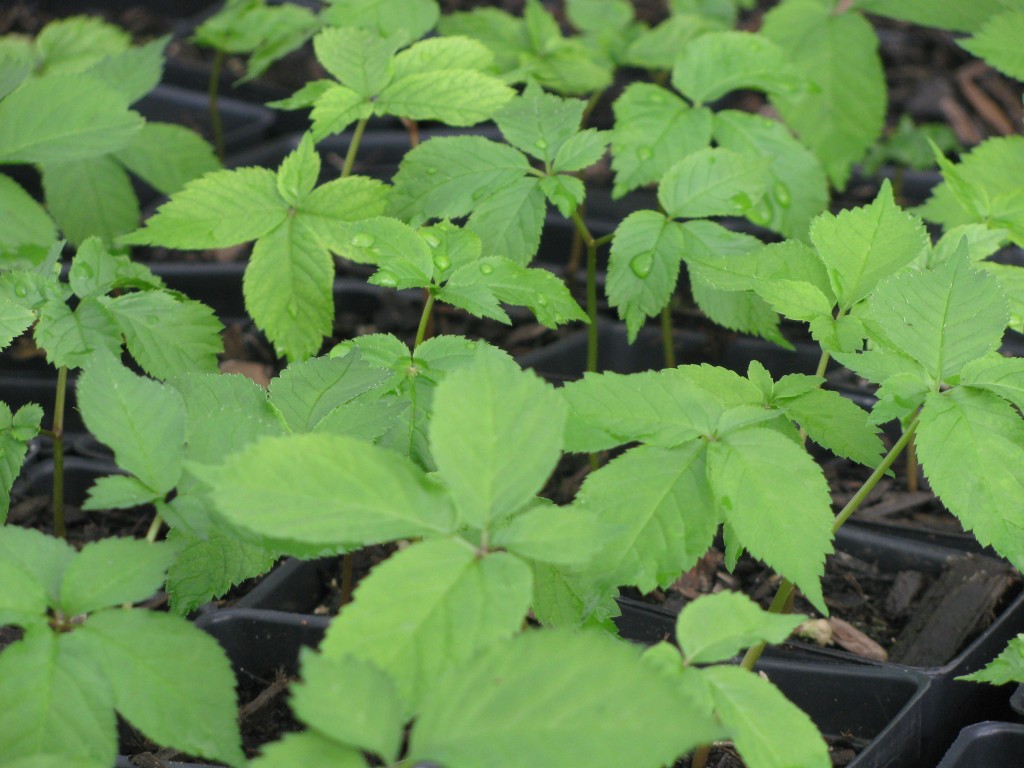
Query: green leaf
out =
(336, 108)
(510, 707)
(438, 54)
(15, 431)
(717, 627)
(446, 177)
(509, 221)
(135, 71)
(350, 199)
(24, 600)
(43, 557)
(660, 504)
(306, 392)
(998, 43)
(717, 63)
(788, 526)
(1007, 667)
(298, 173)
(94, 271)
(375, 726)
(786, 739)
(959, 17)
(561, 598)
(407, 20)
(643, 267)
(70, 45)
(658, 47)
(1003, 376)
(713, 182)
(144, 651)
(119, 492)
(459, 97)
(654, 130)
(141, 420)
(26, 222)
(46, 120)
(540, 123)
(64, 704)
(168, 156)
(307, 748)
(14, 321)
(966, 440)
(943, 318)
(836, 423)
(862, 246)
(113, 572)
(219, 210)
(428, 608)
(72, 337)
(552, 534)
(403, 256)
(167, 335)
(363, 419)
(288, 289)
(496, 435)
(566, 193)
(329, 490)
(843, 112)
(582, 150)
(358, 58)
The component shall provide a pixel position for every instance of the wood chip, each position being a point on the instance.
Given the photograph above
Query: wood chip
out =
(256, 371)
(853, 640)
(905, 588)
(894, 505)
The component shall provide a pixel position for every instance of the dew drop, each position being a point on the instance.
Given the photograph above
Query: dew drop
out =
(21, 290)
(362, 240)
(645, 153)
(741, 201)
(486, 269)
(478, 194)
(293, 309)
(432, 241)
(431, 170)
(761, 214)
(782, 194)
(641, 264)
(540, 144)
(442, 262)
(386, 279)
(542, 300)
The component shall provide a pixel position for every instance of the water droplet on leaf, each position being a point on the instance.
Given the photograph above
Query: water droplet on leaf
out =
(761, 214)
(386, 279)
(486, 269)
(741, 201)
(362, 240)
(432, 241)
(782, 194)
(21, 290)
(293, 309)
(641, 264)
(540, 144)
(430, 170)
(85, 271)
(442, 262)
(645, 153)
(542, 300)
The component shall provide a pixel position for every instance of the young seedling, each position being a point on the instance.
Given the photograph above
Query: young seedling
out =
(83, 656)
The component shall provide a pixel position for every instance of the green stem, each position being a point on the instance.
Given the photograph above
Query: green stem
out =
(666, 337)
(353, 147)
(421, 332)
(588, 240)
(154, 528)
(595, 97)
(59, 526)
(785, 594)
(216, 126)
(912, 480)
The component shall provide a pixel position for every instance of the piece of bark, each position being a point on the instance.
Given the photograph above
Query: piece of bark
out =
(847, 636)
(955, 607)
(894, 505)
(905, 588)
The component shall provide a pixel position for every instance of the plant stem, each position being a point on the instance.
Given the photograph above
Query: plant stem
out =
(347, 578)
(591, 244)
(421, 332)
(154, 528)
(912, 481)
(353, 147)
(667, 344)
(59, 526)
(216, 126)
(785, 594)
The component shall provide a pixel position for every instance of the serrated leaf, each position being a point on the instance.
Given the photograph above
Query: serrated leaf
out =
(496, 435)
(582, 150)
(717, 627)
(788, 526)
(403, 256)
(14, 321)
(135, 71)
(437, 54)
(654, 130)
(539, 123)
(836, 423)
(789, 739)
(459, 97)
(336, 108)
(15, 431)
(661, 505)
(658, 47)
(997, 41)
(43, 557)
(140, 419)
(1003, 376)
(24, 599)
(119, 492)
(445, 177)
(375, 727)
(298, 173)
(406, 19)
(959, 17)
(144, 651)
(70, 45)
(167, 156)
(93, 270)
(509, 707)
(713, 182)
(350, 199)
(46, 120)
(165, 335)
(965, 441)
(864, 245)
(358, 58)
(843, 112)
(72, 337)
(509, 220)
(566, 193)
(112, 572)
(65, 706)
(717, 63)
(307, 747)
(429, 607)
(552, 534)
(288, 289)
(329, 490)
(90, 196)
(220, 209)
(1007, 667)
(25, 220)
(643, 267)
(366, 420)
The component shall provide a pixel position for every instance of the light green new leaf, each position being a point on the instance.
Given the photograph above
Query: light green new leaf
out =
(714, 182)
(446, 177)
(509, 220)
(496, 435)
(565, 192)
(539, 123)
(787, 525)
(350, 199)
(428, 608)
(403, 256)
(70, 45)
(966, 441)
(643, 267)
(1003, 376)
(459, 97)
(717, 63)
(90, 196)
(327, 490)
(14, 321)
(375, 726)
(437, 54)
(407, 20)
(661, 506)
(43, 557)
(72, 337)
(26, 222)
(298, 173)
(862, 246)
(998, 42)
(46, 120)
(64, 704)
(166, 335)
(142, 420)
(220, 209)
(112, 572)
(511, 707)
(119, 492)
(717, 627)
(836, 423)
(306, 392)
(944, 317)
(358, 58)
(145, 651)
(15, 431)
(843, 112)
(654, 130)
(582, 150)
(336, 108)
(168, 156)
(307, 748)
(1007, 667)
(658, 47)
(787, 739)
(552, 534)
(288, 289)
(959, 17)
